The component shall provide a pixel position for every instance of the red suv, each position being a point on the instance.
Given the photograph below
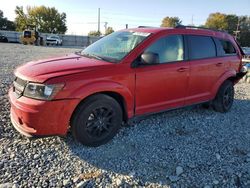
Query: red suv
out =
(126, 74)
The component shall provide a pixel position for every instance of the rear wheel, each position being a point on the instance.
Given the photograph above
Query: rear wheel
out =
(224, 98)
(96, 120)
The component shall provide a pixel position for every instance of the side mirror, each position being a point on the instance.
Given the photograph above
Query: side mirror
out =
(150, 58)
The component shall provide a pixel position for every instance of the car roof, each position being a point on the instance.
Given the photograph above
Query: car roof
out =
(186, 30)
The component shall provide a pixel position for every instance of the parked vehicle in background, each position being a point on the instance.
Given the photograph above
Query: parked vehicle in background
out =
(3, 38)
(53, 40)
(246, 50)
(127, 74)
(246, 61)
(30, 36)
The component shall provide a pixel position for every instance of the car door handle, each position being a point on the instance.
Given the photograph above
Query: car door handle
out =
(182, 69)
(218, 64)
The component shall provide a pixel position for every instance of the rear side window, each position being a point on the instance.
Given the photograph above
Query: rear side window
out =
(225, 48)
(169, 49)
(201, 47)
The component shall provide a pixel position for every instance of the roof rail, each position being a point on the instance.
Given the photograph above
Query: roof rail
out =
(142, 26)
(195, 27)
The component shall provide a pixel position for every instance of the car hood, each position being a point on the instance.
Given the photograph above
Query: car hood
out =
(42, 70)
(52, 38)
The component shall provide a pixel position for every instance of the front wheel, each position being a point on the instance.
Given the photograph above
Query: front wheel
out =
(96, 120)
(224, 98)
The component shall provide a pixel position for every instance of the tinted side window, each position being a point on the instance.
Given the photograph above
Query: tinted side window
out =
(201, 47)
(228, 48)
(168, 48)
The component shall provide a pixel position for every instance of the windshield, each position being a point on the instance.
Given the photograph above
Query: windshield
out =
(115, 46)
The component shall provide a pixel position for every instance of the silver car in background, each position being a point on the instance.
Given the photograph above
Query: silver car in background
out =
(246, 62)
(54, 40)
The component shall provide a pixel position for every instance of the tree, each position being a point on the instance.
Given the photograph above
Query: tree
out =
(109, 30)
(244, 28)
(21, 19)
(232, 21)
(229, 23)
(170, 22)
(94, 33)
(6, 24)
(46, 19)
(217, 21)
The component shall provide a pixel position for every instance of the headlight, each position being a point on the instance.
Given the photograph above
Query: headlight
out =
(41, 91)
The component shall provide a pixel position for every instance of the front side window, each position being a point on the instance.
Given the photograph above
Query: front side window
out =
(115, 46)
(201, 47)
(168, 48)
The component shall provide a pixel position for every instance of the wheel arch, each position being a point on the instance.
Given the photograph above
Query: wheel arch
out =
(230, 75)
(115, 95)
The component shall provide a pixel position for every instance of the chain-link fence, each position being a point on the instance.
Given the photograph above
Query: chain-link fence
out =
(67, 40)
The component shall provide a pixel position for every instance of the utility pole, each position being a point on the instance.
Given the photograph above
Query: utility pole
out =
(99, 20)
(105, 26)
(192, 21)
(237, 30)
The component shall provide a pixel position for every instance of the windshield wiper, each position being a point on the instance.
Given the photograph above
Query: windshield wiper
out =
(91, 56)
(98, 57)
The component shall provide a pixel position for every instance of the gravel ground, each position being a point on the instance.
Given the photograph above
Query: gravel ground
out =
(190, 147)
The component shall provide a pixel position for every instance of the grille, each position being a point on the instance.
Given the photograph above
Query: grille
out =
(51, 40)
(19, 86)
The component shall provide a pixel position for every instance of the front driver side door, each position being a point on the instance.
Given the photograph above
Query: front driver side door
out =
(164, 85)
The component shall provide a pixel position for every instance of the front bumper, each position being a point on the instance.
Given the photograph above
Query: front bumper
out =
(52, 42)
(40, 118)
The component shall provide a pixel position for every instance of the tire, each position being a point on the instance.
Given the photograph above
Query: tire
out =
(206, 105)
(97, 120)
(224, 98)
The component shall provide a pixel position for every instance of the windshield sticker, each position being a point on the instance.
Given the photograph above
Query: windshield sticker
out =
(141, 34)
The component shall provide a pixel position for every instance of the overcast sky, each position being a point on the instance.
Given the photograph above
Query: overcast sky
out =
(82, 14)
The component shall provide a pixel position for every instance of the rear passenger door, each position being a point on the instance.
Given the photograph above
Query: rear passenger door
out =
(227, 54)
(205, 68)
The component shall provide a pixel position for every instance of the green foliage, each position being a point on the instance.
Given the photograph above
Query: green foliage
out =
(109, 30)
(5, 24)
(229, 22)
(244, 27)
(170, 22)
(46, 19)
(232, 21)
(94, 34)
(217, 21)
